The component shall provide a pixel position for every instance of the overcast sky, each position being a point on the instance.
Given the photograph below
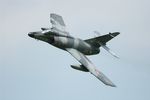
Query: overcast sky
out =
(34, 70)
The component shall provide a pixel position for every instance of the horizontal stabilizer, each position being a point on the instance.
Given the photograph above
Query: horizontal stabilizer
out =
(110, 51)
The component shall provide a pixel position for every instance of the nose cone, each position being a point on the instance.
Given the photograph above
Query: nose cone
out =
(31, 34)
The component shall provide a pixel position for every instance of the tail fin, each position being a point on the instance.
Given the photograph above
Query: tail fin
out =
(97, 41)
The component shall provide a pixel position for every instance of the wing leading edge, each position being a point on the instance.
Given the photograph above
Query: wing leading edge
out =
(90, 66)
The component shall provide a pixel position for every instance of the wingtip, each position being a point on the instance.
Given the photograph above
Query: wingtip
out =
(112, 85)
(116, 57)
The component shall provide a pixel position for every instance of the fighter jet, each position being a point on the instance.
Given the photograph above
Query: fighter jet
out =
(78, 48)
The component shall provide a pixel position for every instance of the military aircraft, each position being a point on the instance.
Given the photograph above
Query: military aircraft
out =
(78, 48)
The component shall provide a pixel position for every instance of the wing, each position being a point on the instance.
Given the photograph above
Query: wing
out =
(88, 64)
(101, 39)
(57, 22)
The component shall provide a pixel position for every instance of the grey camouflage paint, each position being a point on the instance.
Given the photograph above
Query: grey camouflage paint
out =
(78, 48)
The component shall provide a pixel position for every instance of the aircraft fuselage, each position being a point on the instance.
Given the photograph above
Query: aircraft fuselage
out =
(64, 42)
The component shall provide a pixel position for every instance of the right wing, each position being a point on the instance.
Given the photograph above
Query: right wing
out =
(88, 64)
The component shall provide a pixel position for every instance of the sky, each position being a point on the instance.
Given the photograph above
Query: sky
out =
(34, 70)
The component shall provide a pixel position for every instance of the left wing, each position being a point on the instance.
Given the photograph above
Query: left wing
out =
(58, 24)
(88, 64)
